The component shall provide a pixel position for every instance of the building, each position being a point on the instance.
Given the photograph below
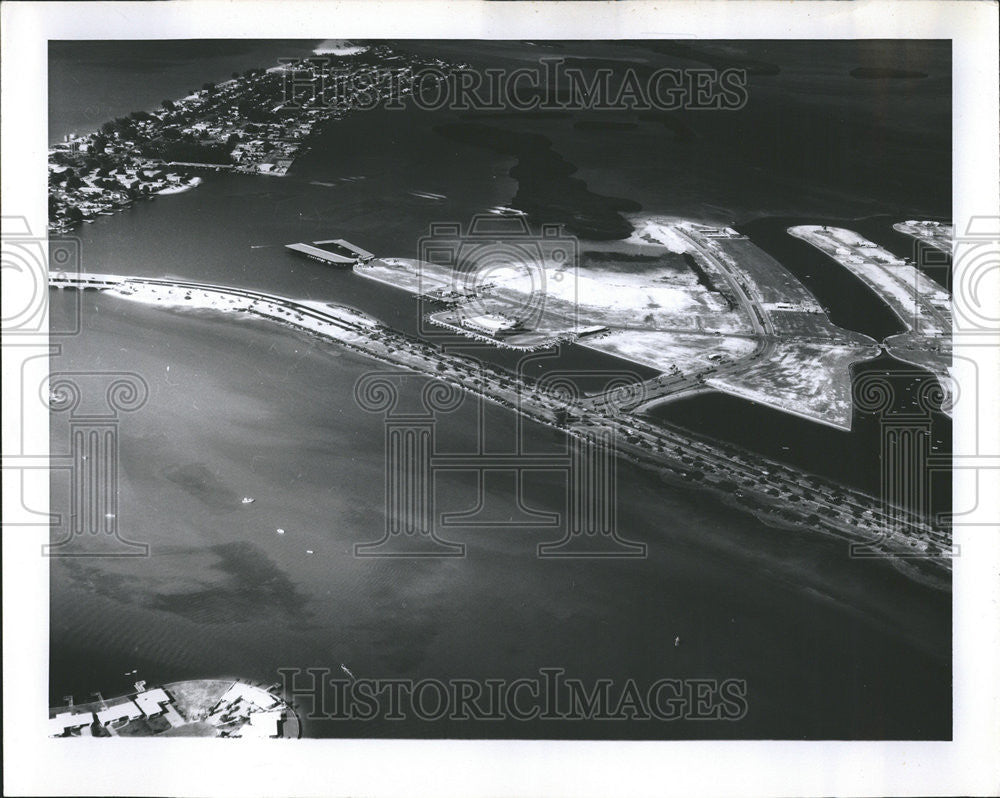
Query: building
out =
(127, 711)
(65, 722)
(152, 702)
(255, 696)
(334, 251)
(490, 323)
(156, 702)
(263, 724)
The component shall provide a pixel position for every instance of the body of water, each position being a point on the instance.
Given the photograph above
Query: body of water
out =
(829, 647)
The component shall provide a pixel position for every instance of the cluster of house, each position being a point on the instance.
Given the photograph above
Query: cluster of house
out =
(269, 149)
(247, 711)
(269, 157)
(145, 704)
(248, 120)
(243, 710)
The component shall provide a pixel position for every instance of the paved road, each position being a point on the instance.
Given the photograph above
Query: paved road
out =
(824, 504)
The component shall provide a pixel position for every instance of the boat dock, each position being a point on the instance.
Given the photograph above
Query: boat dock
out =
(335, 251)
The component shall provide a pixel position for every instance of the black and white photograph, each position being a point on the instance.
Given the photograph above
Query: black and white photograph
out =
(486, 402)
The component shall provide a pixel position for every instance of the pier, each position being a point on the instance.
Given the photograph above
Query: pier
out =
(334, 251)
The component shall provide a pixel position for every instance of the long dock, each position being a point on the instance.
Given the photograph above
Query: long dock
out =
(332, 251)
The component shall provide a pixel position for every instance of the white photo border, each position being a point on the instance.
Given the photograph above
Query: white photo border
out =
(37, 765)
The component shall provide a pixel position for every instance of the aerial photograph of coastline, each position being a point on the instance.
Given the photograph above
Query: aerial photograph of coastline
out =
(551, 389)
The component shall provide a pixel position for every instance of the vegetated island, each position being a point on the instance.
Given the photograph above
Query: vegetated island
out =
(257, 122)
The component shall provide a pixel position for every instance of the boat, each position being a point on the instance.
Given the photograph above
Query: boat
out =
(503, 210)
(247, 500)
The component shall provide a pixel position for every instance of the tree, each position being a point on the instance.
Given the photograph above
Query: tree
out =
(168, 105)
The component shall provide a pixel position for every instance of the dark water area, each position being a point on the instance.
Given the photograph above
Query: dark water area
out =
(884, 73)
(811, 139)
(144, 73)
(545, 188)
(853, 458)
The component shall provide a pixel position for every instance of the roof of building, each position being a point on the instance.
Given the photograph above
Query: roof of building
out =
(361, 253)
(490, 322)
(69, 720)
(150, 702)
(126, 710)
(316, 252)
(263, 724)
(257, 696)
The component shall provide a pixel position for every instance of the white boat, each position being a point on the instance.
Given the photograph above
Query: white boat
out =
(247, 500)
(503, 210)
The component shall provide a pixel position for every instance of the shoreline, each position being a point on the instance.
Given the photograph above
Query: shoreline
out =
(696, 461)
(187, 708)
